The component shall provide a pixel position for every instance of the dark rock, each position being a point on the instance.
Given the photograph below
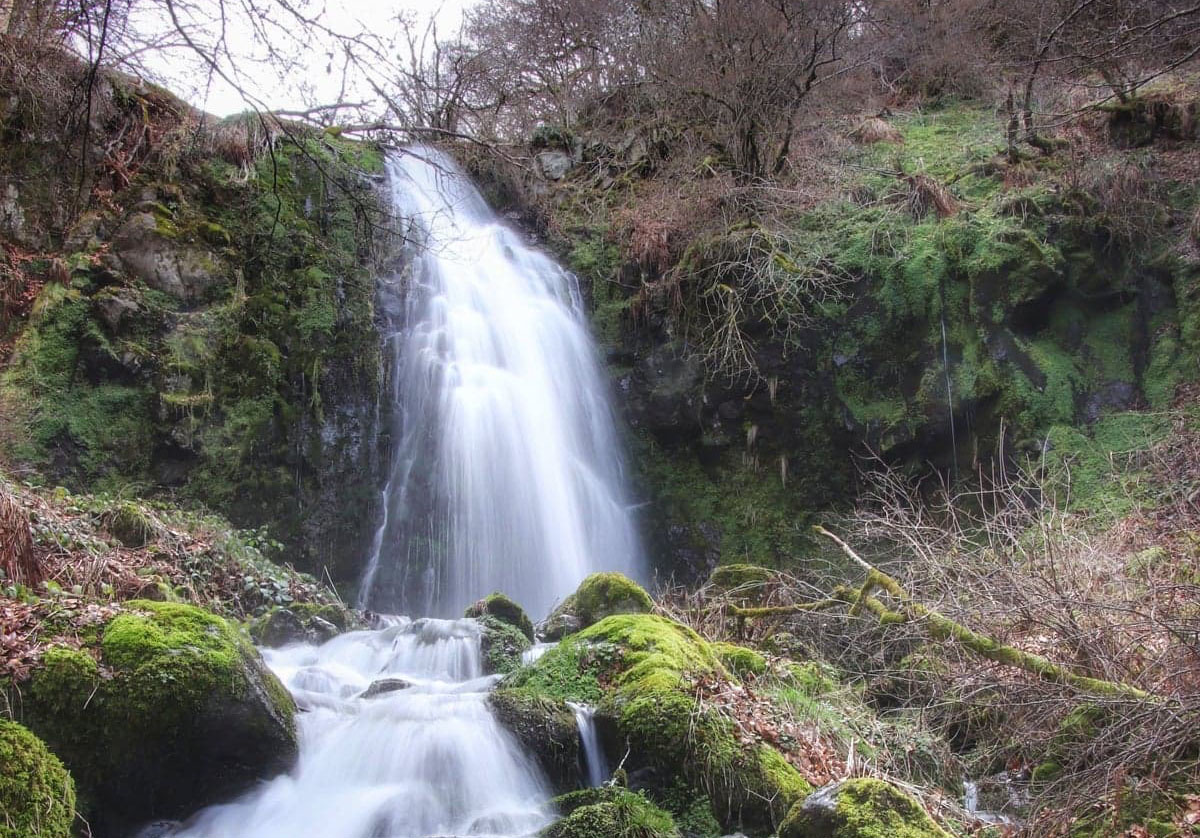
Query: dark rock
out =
(384, 686)
(546, 728)
(560, 623)
(113, 309)
(302, 622)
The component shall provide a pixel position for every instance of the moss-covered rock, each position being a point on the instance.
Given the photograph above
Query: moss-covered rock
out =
(739, 660)
(611, 813)
(305, 622)
(37, 795)
(129, 524)
(504, 609)
(501, 644)
(860, 808)
(605, 594)
(561, 622)
(640, 672)
(175, 711)
(546, 728)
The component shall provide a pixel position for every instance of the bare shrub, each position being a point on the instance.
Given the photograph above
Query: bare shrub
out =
(1128, 195)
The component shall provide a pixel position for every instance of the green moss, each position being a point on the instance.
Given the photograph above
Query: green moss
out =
(1046, 772)
(638, 669)
(740, 577)
(504, 609)
(129, 524)
(37, 795)
(739, 660)
(1097, 465)
(501, 645)
(605, 594)
(862, 808)
(172, 673)
(609, 812)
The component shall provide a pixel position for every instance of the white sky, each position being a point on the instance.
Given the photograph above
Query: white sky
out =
(313, 72)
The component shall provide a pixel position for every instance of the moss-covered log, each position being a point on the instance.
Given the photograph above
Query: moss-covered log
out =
(940, 627)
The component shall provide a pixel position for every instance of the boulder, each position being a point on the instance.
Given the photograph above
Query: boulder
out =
(860, 808)
(639, 672)
(143, 248)
(502, 645)
(553, 165)
(173, 710)
(504, 609)
(301, 622)
(37, 795)
(384, 686)
(605, 594)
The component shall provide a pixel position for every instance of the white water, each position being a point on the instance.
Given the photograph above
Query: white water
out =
(425, 760)
(506, 473)
(593, 753)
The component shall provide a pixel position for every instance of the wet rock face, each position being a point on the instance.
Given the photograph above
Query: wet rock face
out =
(546, 728)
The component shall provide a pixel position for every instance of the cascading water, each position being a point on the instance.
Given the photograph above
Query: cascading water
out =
(421, 756)
(506, 476)
(507, 470)
(593, 754)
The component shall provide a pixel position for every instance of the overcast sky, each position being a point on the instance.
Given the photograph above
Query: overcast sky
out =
(313, 72)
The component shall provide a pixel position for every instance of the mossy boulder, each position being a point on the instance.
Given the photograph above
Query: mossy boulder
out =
(37, 795)
(640, 672)
(306, 622)
(172, 710)
(611, 813)
(546, 728)
(129, 524)
(561, 622)
(501, 644)
(860, 808)
(504, 609)
(605, 594)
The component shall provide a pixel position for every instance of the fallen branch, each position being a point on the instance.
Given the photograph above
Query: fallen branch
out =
(941, 627)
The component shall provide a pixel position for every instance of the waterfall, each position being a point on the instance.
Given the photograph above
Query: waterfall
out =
(506, 472)
(593, 754)
(421, 756)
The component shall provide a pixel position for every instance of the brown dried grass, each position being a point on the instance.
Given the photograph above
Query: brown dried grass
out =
(17, 558)
(875, 129)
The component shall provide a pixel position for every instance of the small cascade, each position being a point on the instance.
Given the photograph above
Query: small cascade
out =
(417, 754)
(506, 473)
(593, 753)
